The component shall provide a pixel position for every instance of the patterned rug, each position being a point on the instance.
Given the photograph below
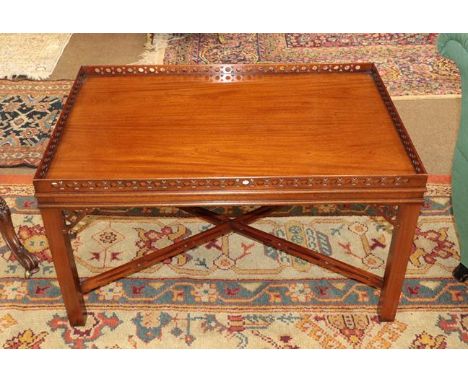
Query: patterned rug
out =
(30, 55)
(409, 63)
(234, 292)
(28, 113)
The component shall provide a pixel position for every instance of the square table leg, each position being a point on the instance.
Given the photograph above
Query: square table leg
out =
(64, 262)
(398, 257)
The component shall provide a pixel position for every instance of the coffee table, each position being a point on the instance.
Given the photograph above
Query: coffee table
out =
(199, 136)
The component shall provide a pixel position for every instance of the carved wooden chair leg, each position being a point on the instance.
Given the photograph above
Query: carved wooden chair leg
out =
(24, 257)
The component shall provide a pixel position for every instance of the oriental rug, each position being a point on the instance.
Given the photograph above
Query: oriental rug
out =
(30, 55)
(28, 113)
(235, 292)
(409, 63)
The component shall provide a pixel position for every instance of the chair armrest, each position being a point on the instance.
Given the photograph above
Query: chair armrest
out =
(455, 47)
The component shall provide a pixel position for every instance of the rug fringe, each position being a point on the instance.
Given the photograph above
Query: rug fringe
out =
(31, 56)
(155, 49)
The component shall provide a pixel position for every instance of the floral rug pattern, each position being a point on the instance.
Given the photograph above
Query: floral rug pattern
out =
(234, 292)
(28, 113)
(408, 63)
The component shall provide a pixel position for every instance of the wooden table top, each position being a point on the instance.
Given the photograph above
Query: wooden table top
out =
(228, 122)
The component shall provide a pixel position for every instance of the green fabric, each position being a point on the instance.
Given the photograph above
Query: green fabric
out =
(455, 47)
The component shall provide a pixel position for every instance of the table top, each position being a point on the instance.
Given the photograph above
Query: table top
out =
(230, 124)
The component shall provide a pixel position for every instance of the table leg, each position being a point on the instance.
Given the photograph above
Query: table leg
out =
(65, 267)
(398, 257)
(24, 257)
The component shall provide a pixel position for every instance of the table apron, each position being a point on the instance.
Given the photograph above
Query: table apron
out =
(161, 199)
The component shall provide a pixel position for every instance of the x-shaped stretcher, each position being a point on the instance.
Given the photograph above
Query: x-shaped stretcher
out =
(222, 226)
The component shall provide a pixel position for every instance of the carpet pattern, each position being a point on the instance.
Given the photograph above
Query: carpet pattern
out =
(28, 113)
(234, 292)
(30, 55)
(409, 63)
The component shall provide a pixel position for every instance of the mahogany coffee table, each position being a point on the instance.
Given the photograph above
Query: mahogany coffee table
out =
(198, 136)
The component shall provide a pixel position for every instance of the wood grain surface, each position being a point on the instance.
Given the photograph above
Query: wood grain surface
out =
(143, 127)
